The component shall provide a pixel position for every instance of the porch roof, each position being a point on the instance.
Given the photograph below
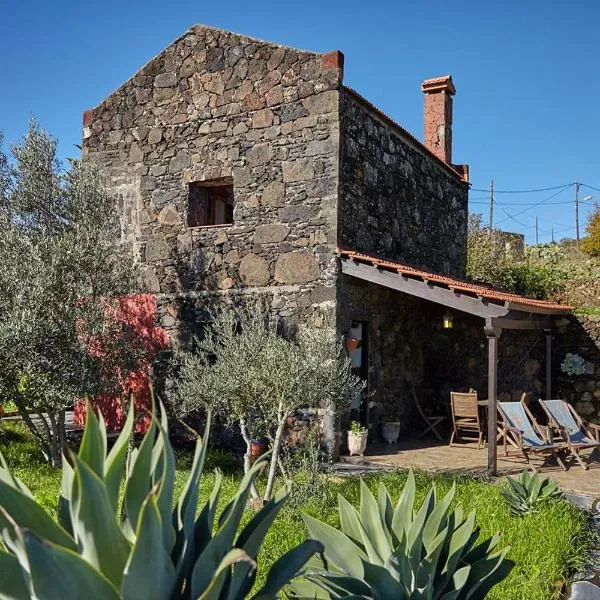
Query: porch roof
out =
(502, 309)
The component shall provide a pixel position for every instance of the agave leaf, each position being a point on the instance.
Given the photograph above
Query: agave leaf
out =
(307, 588)
(338, 586)
(415, 533)
(535, 486)
(459, 579)
(386, 510)
(185, 511)
(339, 549)
(437, 518)
(60, 574)
(458, 541)
(27, 513)
(114, 465)
(164, 475)
(381, 582)
(374, 532)
(350, 522)
(13, 585)
(517, 487)
(428, 567)
(96, 530)
(64, 500)
(487, 572)
(483, 550)
(222, 574)
(149, 573)
(286, 568)
(222, 541)
(251, 539)
(92, 450)
(206, 519)
(403, 513)
(139, 480)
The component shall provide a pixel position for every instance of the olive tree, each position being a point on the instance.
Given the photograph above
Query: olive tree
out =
(243, 370)
(61, 268)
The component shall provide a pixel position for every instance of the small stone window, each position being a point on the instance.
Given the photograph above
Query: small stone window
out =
(210, 203)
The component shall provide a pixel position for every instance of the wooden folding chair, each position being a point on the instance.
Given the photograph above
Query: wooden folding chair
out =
(521, 430)
(465, 417)
(571, 428)
(431, 421)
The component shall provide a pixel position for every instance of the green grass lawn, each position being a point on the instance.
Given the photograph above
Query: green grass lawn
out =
(546, 547)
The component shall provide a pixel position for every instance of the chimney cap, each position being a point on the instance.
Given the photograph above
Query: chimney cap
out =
(439, 84)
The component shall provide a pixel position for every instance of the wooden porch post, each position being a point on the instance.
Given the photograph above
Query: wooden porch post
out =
(492, 334)
(548, 333)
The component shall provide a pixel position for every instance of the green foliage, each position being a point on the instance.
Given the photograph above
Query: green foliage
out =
(60, 263)
(402, 551)
(546, 546)
(356, 427)
(134, 545)
(247, 372)
(591, 243)
(525, 493)
(493, 258)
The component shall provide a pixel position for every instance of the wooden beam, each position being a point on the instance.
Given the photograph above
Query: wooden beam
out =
(523, 324)
(421, 289)
(548, 364)
(492, 335)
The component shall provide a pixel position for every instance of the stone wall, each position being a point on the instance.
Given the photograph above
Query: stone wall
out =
(395, 199)
(398, 327)
(579, 335)
(219, 105)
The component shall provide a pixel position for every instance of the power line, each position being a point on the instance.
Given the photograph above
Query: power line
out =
(548, 189)
(537, 203)
(591, 187)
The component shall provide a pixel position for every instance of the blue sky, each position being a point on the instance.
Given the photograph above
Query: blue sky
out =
(526, 111)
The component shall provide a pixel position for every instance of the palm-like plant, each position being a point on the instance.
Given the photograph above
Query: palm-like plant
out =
(525, 492)
(135, 545)
(403, 552)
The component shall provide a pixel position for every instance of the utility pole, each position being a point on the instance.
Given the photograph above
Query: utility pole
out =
(536, 232)
(577, 184)
(553, 234)
(491, 206)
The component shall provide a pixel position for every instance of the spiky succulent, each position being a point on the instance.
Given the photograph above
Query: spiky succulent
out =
(526, 492)
(130, 543)
(402, 552)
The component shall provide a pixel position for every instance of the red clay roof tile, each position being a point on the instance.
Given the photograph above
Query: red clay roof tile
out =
(455, 284)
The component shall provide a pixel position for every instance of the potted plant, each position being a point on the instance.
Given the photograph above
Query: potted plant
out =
(357, 438)
(390, 428)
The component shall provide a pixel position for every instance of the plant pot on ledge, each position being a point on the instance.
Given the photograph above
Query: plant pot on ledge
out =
(390, 430)
(357, 439)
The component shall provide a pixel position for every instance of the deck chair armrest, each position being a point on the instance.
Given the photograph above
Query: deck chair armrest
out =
(594, 430)
(515, 431)
(547, 434)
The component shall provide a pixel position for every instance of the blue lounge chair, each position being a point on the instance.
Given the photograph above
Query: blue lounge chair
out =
(520, 430)
(577, 433)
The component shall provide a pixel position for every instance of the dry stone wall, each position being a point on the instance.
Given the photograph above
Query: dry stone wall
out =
(216, 105)
(395, 199)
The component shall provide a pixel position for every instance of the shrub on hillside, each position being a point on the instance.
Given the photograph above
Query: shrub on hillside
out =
(591, 243)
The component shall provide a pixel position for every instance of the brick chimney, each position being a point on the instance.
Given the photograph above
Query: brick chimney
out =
(438, 116)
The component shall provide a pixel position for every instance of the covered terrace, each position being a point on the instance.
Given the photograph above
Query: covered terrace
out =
(497, 310)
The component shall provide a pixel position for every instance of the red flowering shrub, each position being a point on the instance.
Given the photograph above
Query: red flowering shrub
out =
(137, 315)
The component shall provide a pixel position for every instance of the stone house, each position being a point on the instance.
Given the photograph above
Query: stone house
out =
(243, 167)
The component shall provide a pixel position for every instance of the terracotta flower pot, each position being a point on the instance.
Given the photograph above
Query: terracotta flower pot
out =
(390, 431)
(258, 448)
(357, 443)
(352, 344)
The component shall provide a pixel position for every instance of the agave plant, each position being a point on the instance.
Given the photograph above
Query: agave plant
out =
(525, 492)
(115, 541)
(402, 552)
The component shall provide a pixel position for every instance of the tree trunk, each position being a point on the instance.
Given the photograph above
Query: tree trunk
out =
(275, 456)
(39, 438)
(248, 455)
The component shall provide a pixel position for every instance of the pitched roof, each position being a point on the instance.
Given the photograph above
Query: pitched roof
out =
(403, 132)
(456, 285)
